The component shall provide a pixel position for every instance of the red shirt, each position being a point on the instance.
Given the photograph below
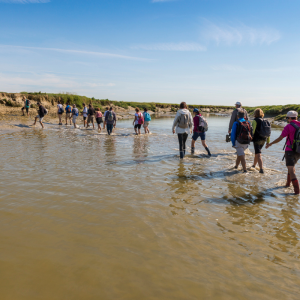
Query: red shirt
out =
(196, 123)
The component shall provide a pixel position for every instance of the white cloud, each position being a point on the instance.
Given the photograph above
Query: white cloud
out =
(171, 47)
(24, 1)
(238, 34)
(70, 51)
(18, 82)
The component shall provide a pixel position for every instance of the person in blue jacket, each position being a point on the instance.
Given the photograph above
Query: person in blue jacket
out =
(240, 147)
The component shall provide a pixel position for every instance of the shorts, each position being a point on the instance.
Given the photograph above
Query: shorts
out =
(74, 119)
(240, 148)
(90, 119)
(60, 113)
(291, 158)
(40, 118)
(146, 124)
(137, 126)
(258, 146)
(84, 118)
(99, 120)
(69, 115)
(198, 134)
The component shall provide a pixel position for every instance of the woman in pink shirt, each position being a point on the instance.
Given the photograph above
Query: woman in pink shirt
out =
(291, 157)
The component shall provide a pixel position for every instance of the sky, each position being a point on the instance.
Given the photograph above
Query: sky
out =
(212, 52)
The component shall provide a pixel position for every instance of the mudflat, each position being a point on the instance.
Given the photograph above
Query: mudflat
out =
(89, 216)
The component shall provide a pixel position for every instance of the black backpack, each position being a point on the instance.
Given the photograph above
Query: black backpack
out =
(264, 130)
(296, 142)
(244, 131)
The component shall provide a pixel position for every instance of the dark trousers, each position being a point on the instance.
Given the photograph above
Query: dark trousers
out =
(182, 137)
(109, 128)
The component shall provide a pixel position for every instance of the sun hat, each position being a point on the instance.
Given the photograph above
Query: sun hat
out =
(292, 114)
(196, 110)
(238, 103)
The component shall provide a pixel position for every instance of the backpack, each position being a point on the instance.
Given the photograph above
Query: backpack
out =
(69, 109)
(265, 129)
(27, 102)
(110, 116)
(61, 110)
(244, 131)
(45, 111)
(203, 125)
(296, 142)
(141, 119)
(183, 121)
(147, 117)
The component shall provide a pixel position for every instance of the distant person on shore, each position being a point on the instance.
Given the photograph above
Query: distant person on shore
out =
(147, 119)
(68, 114)
(261, 135)
(200, 127)
(292, 155)
(75, 114)
(107, 110)
(110, 120)
(138, 121)
(182, 125)
(241, 136)
(234, 115)
(84, 114)
(41, 114)
(26, 106)
(99, 118)
(60, 111)
(91, 114)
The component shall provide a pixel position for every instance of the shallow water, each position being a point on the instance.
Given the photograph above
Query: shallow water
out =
(89, 216)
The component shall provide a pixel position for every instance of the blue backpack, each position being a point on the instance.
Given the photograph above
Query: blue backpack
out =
(147, 117)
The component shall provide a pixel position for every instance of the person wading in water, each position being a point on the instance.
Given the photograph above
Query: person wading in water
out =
(241, 136)
(292, 151)
(234, 115)
(200, 126)
(182, 125)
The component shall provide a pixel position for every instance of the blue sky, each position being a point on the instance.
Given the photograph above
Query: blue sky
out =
(198, 51)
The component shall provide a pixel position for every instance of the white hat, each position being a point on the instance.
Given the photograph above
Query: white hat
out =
(238, 103)
(292, 114)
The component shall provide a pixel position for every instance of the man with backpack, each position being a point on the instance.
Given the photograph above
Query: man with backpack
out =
(75, 114)
(60, 111)
(234, 115)
(261, 135)
(241, 136)
(91, 113)
(26, 106)
(200, 127)
(41, 114)
(110, 120)
(182, 125)
(147, 119)
(68, 114)
(292, 151)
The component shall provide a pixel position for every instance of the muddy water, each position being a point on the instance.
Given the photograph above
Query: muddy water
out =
(88, 216)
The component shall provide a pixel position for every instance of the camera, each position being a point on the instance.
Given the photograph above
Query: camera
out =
(228, 138)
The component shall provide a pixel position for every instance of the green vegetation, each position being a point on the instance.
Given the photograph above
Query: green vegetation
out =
(275, 110)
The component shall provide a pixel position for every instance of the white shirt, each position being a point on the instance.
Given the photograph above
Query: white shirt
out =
(138, 115)
(85, 110)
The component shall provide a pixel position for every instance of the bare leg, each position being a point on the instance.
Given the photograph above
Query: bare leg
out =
(42, 124)
(93, 125)
(135, 130)
(243, 161)
(292, 172)
(259, 159)
(238, 160)
(255, 160)
(35, 121)
(139, 130)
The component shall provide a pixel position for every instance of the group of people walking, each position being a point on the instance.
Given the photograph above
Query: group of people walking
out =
(242, 132)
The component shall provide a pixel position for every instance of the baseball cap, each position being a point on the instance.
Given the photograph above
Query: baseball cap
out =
(292, 114)
(238, 103)
(196, 110)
